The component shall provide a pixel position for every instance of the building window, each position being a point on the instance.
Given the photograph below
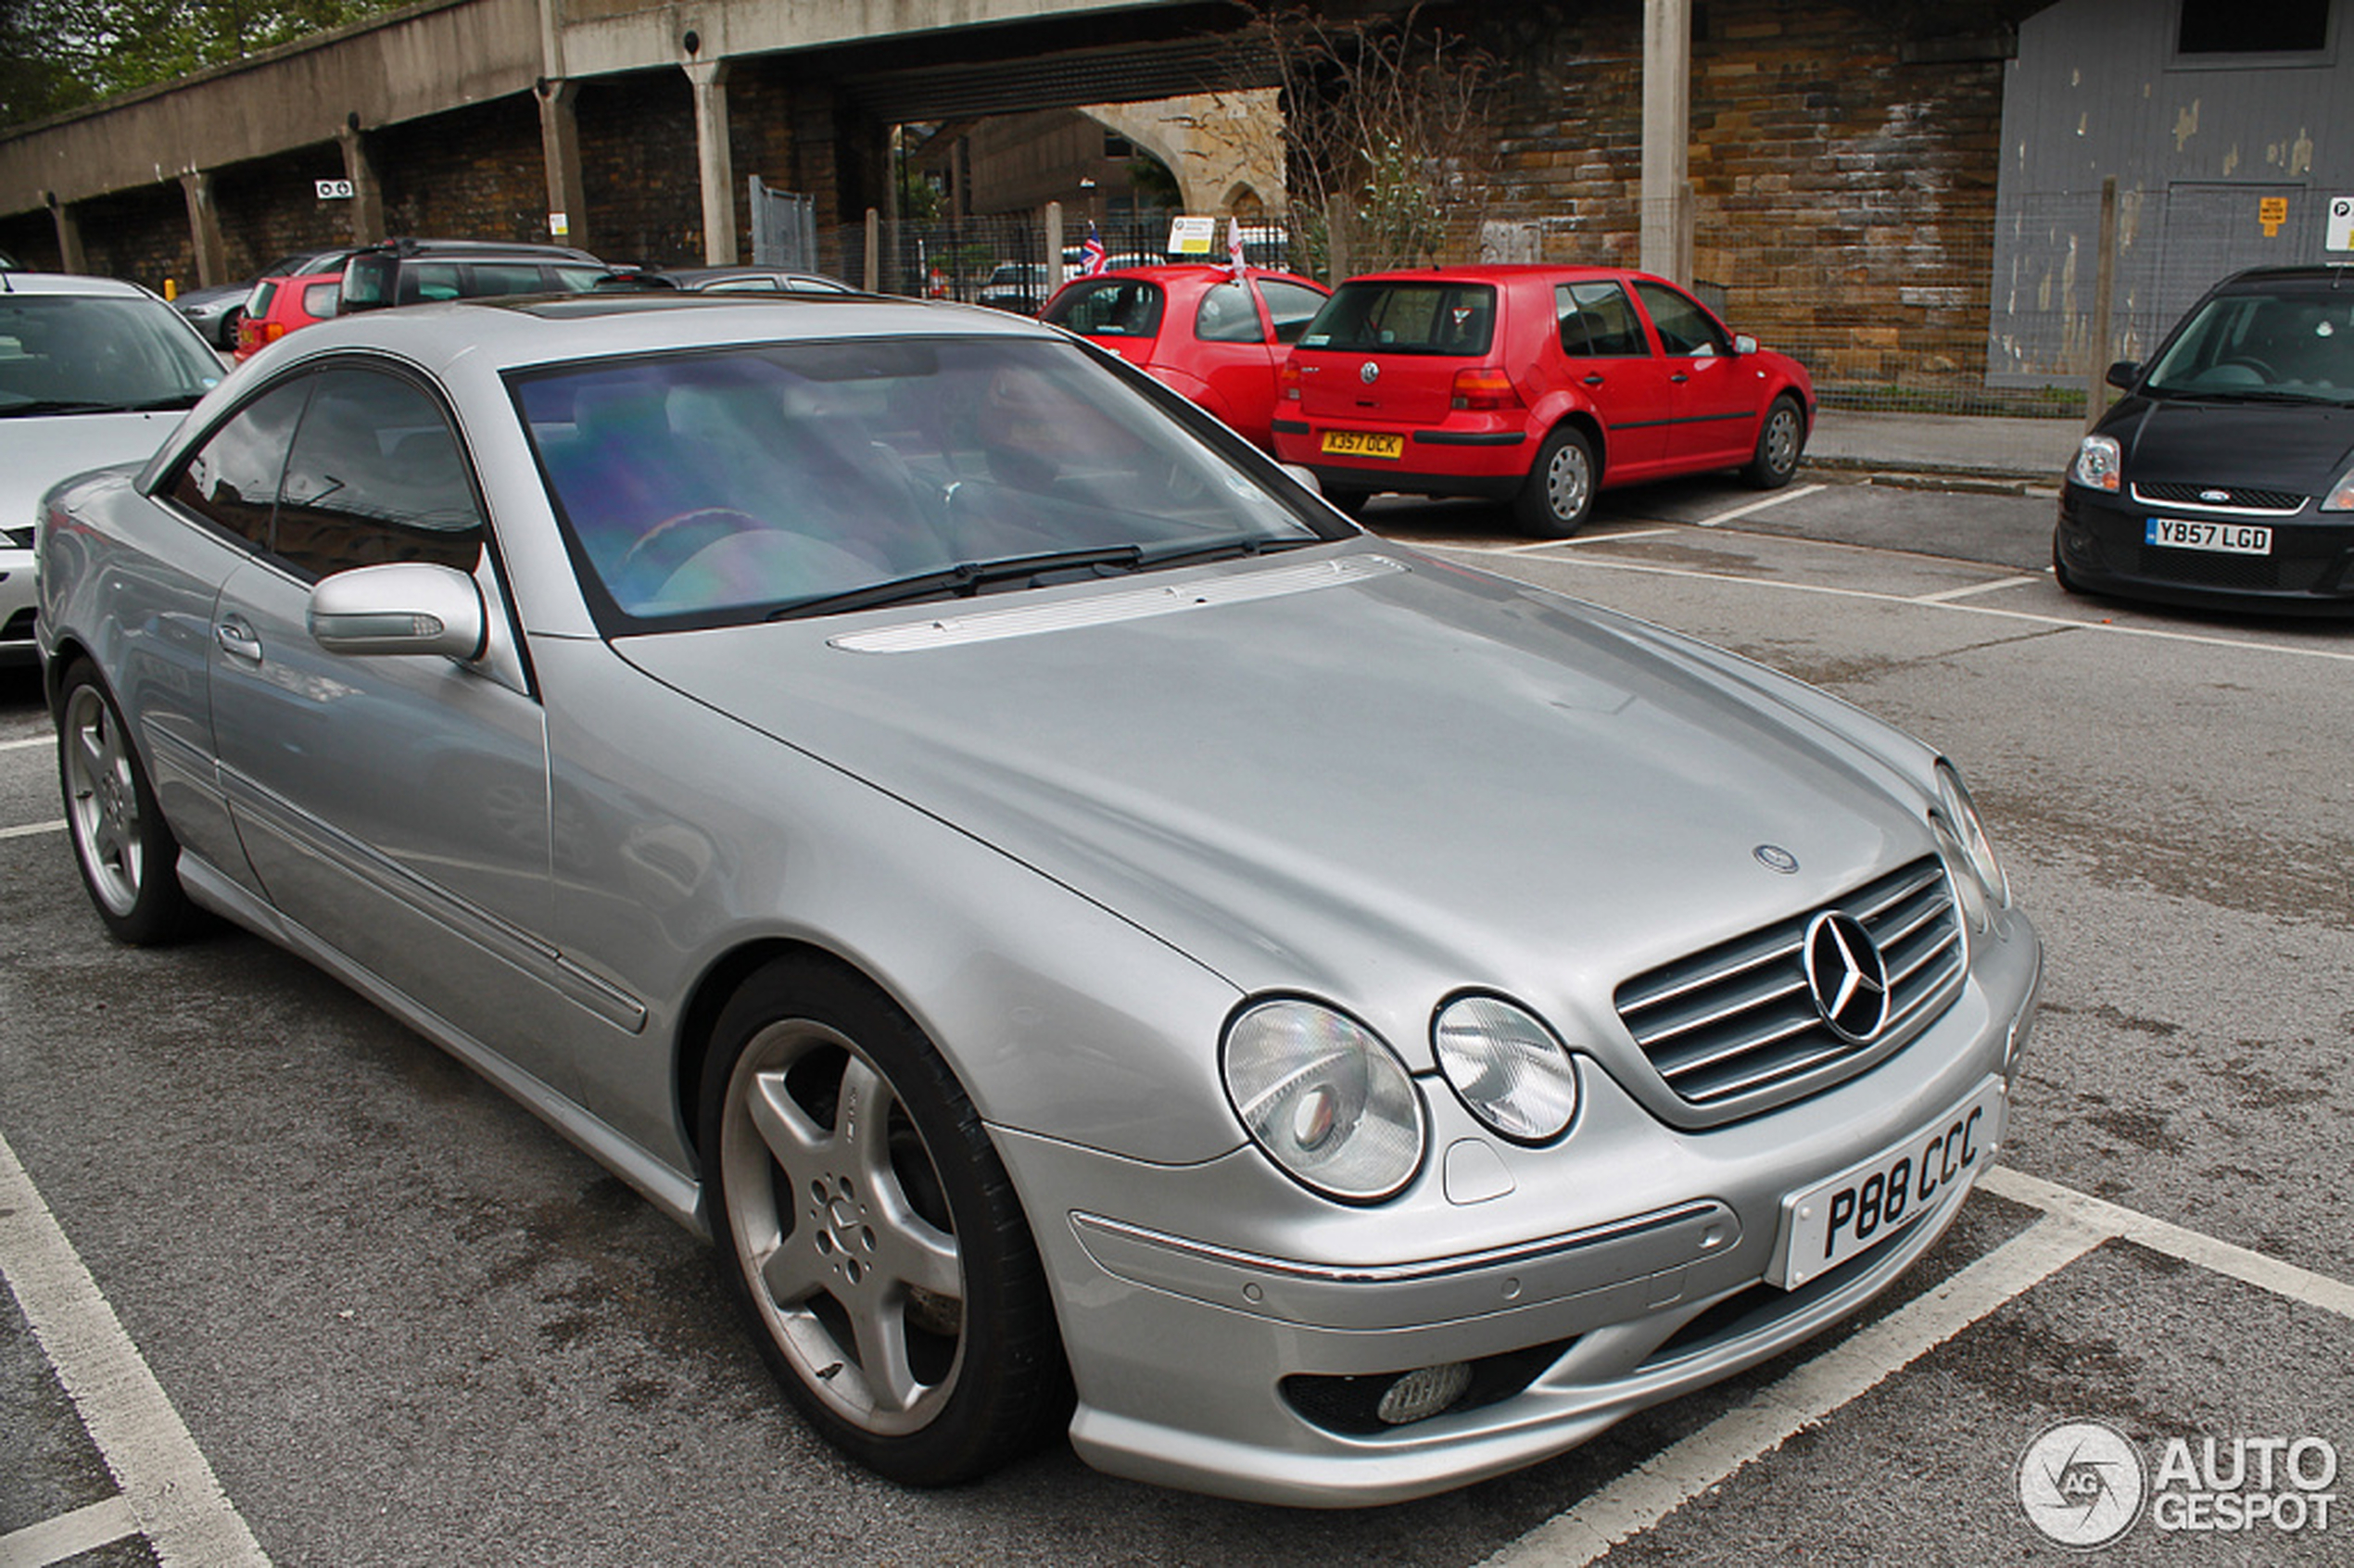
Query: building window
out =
(2234, 27)
(1118, 146)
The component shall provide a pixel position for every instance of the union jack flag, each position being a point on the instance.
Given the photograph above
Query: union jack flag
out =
(1091, 255)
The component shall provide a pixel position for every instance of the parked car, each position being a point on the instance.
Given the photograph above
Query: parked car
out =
(1017, 286)
(408, 271)
(724, 280)
(215, 311)
(1002, 866)
(91, 371)
(1533, 384)
(2226, 474)
(1197, 331)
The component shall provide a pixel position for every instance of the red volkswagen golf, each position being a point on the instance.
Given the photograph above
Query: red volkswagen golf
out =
(1534, 385)
(1196, 331)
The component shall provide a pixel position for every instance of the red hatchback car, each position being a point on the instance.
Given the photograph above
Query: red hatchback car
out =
(1534, 385)
(1196, 331)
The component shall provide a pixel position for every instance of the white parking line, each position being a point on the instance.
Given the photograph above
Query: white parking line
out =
(1973, 589)
(168, 1485)
(1536, 545)
(2073, 1224)
(28, 743)
(31, 828)
(68, 1534)
(1723, 517)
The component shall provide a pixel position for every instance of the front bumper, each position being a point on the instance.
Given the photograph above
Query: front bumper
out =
(1253, 1371)
(2100, 547)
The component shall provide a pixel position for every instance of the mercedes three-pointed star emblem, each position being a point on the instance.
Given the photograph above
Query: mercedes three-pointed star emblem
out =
(1847, 977)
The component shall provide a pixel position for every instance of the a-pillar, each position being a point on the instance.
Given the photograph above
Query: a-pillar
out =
(560, 150)
(71, 256)
(204, 227)
(709, 79)
(367, 191)
(1667, 134)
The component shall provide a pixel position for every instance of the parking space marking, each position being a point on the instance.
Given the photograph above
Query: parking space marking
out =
(168, 1485)
(1723, 517)
(32, 829)
(1973, 589)
(1652, 1491)
(2161, 634)
(28, 743)
(1536, 545)
(68, 1534)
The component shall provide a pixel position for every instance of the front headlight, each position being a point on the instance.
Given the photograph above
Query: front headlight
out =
(2341, 495)
(1969, 844)
(1325, 1099)
(1507, 1067)
(2100, 465)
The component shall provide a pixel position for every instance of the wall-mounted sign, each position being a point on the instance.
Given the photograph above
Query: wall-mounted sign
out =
(2340, 232)
(1192, 236)
(2273, 211)
(559, 224)
(334, 190)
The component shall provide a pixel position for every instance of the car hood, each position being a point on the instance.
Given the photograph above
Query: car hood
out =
(37, 452)
(1366, 775)
(2294, 447)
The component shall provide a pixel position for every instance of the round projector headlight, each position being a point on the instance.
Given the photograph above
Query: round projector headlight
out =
(1508, 1068)
(1325, 1099)
(1970, 833)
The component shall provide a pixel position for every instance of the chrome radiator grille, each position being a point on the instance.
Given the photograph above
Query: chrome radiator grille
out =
(1740, 1017)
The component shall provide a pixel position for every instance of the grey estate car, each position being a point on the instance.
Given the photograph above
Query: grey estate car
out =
(1095, 940)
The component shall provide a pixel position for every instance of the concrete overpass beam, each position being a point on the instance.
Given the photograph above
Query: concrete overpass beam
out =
(709, 79)
(560, 150)
(71, 256)
(1668, 134)
(367, 191)
(204, 227)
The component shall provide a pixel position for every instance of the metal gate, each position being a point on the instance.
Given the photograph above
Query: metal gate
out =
(784, 229)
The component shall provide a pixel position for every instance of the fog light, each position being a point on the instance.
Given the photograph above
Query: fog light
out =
(1424, 1393)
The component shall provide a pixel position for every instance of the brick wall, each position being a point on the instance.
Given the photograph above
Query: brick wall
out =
(1844, 198)
(31, 238)
(141, 235)
(637, 167)
(270, 206)
(473, 174)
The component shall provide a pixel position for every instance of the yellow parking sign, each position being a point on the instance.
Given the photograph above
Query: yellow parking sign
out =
(2273, 211)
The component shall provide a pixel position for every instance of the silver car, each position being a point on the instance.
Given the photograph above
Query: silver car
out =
(1096, 941)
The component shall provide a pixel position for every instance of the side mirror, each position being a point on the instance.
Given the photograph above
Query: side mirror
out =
(1744, 343)
(2124, 374)
(408, 607)
(1305, 478)
(370, 282)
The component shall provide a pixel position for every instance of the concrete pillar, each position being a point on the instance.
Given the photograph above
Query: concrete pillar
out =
(1668, 134)
(1054, 249)
(367, 191)
(71, 256)
(709, 79)
(560, 150)
(204, 227)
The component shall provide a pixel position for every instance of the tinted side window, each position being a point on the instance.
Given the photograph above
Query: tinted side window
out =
(232, 482)
(375, 475)
(429, 279)
(319, 299)
(507, 277)
(1227, 314)
(1683, 327)
(1598, 322)
(1292, 306)
(1110, 308)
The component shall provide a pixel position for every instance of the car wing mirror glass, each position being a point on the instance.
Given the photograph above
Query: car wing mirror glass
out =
(2123, 374)
(370, 282)
(408, 607)
(1744, 343)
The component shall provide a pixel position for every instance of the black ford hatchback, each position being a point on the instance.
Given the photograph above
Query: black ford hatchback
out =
(2226, 475)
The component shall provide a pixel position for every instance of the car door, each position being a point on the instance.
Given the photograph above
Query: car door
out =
(393, 808)
(1609, 361)
(1719, 395)
(1229, 351)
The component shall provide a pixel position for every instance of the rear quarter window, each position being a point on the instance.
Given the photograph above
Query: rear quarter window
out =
(1111, 307)
(1406, 318)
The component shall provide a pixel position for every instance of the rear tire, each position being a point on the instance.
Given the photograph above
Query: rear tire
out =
(1780, 442)
(1558, 493)
(864, 1223)
(126, 851)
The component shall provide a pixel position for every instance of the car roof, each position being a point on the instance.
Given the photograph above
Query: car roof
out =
(2326, 278)
(1503, 272)
(70, 283)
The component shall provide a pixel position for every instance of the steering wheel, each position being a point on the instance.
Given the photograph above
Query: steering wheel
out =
(673, 541)
(2252, 363)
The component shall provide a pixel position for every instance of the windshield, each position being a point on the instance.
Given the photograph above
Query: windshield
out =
(2262, 347)
(77, 353)
(701, 488)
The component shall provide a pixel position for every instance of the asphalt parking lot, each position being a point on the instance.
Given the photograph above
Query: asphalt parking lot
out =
(288, 1285)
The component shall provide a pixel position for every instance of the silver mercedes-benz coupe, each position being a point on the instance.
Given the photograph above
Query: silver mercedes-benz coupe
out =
(1096, 940)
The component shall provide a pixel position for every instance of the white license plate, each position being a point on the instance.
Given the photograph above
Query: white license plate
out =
(2226, 538)
(1865, 1204)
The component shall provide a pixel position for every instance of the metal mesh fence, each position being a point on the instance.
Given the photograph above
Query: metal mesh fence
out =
(1889, 298)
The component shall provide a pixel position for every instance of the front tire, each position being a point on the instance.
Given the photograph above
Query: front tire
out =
(128, 856)
(1558, 493)
(1780, 441)
(866, 1225)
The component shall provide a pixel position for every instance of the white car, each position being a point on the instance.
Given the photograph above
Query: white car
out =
(93, 372)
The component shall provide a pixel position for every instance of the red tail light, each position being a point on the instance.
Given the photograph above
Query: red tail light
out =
(1287, 382)
(1485, 387)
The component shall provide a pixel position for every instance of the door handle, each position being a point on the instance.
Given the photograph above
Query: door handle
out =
(1680, 378)
(1594, 378)
(237, 641)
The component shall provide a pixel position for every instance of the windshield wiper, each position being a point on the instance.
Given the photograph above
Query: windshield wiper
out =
(962, 580)
(81, 406)
(1232, 545)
